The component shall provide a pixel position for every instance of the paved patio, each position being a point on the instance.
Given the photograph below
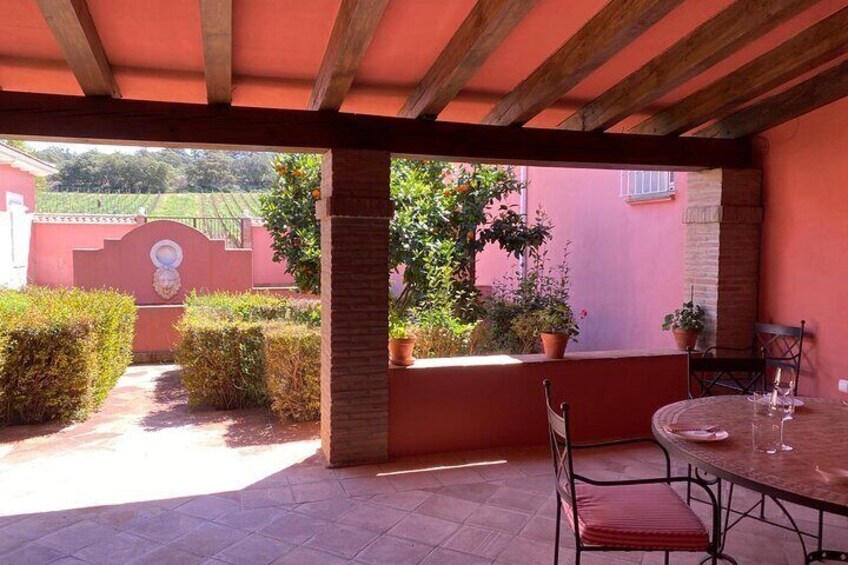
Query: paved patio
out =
(144, 481)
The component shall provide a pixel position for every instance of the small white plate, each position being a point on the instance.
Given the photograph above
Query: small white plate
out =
(833, 475)
(703, 436)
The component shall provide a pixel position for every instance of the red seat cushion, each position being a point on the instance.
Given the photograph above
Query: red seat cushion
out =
(651, 517)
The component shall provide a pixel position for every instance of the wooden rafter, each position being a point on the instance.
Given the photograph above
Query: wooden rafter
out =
(485, 27)
(355, 25)
(813, 93)
(735, 26)
(814, 46)
(74, 30)
(216, 24)
(47, 116)
(610, 30)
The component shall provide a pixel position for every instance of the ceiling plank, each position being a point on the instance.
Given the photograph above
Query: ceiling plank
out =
(482, 31)
(735, 26)
(811, 48)
(355, 25)
(74, 30)
(609, 31)
(136, 122)
(216, 25)
(813, 93)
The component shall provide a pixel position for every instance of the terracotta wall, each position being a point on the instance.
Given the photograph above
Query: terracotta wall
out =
(479, 402)
(626, 259)
(805, 235)
(265, 271)
(13, 180)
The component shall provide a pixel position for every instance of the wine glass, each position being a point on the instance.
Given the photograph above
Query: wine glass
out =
(783, 400)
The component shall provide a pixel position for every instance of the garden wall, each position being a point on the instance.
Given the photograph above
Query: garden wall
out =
(495, 401)
(626, 259)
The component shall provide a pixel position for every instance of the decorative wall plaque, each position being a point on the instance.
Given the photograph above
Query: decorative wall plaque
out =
(166, 255)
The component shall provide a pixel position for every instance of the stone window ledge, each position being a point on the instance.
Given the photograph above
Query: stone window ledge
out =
(500, 360)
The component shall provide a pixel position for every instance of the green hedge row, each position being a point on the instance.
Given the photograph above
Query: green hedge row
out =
(247, 350)
(61, 351)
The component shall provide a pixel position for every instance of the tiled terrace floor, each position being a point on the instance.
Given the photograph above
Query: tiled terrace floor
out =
(144, 481)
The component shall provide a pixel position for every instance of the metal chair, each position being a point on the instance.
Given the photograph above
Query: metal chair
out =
(625, 515)
(726, 370)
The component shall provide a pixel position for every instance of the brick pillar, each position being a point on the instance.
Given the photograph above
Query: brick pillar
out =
(354, 210)
(723, 218)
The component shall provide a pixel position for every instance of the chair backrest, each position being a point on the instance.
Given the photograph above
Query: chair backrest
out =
(710, 375)
(560, 438)
(781, 347)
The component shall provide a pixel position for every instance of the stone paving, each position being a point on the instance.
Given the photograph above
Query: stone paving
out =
(145, 481)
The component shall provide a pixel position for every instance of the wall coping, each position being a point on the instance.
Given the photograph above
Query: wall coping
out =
(502, 359)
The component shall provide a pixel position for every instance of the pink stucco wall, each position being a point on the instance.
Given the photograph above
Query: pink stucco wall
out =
(804, 240)
(13, 180)
(626, 259)
(265, 271)
(124, 264)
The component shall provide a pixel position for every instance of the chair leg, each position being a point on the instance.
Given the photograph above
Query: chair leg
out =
(665, 560)
(558, 523)
(577, 556)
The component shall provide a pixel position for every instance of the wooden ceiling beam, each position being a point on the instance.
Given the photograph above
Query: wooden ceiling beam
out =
(216, 25)
(737, 25)
(482, 31)
(74, 30)
(805, 97)
(355, 25)
(609, 31)
(136, 122)
(813, 47)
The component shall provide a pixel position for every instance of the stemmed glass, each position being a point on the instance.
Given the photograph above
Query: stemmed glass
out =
(783, 399)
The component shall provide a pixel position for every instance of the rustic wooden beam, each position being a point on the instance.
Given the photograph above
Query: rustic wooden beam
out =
(813, 93)
(355, 25)
(735, 26)
(74, 30)
(482, 31)
(216, 24)
(609, 31)
(811, 48)
(136, 122)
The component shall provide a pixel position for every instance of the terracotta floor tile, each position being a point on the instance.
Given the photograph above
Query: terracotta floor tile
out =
(500, 519)
(208, 539)
(441, 556)
(207, 507)
(542, 528)
(425, 529)
(168, 555)
(447, 507)
(254, 549)
(262, 498)
(164, 526)
(481, 542)
(310, 492)
(329, 509)
(294, 528)
(308, 474)
(344, 541)
(31, 554)
(461, 476)
(414, 481)
(117, 548)
(372, 517)
(366, 486)
(517, 499)
(8, 543)
(477, 492)
(409, 500)
(307, 556)
(250, 518)
(39, 525)
(76, 536)
(388, 550)
(523, 551)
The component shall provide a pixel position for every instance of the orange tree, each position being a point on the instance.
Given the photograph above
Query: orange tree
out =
(445, 213)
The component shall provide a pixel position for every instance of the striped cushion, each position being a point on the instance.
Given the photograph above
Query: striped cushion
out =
(648, 517)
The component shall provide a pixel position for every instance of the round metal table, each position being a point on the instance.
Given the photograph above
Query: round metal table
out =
(819, 435)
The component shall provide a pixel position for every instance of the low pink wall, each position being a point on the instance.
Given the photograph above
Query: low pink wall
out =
(804, 240)
(155, 334)
(265, 271)
(626, 260)
(481, 402)
(124, 264)
(51, 258)
(19, 182)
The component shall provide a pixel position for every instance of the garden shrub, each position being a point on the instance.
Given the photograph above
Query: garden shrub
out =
(61, 351)
(293, 371)
(253, 307)
(222, 363)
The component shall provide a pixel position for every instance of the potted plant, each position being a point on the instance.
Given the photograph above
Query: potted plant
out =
(401, 340)
(686, 323)
(557, 325)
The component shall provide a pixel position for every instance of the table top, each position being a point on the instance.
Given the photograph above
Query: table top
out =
(819, 434)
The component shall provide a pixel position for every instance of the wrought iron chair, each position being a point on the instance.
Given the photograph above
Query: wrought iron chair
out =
(625, 515)
(725, 370)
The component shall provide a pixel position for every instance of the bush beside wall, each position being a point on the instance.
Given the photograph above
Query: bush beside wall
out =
(293, 371)
(61, 351)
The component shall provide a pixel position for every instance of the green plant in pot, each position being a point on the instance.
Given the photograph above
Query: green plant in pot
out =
(686, 323)
(401, 337)
(557, 325)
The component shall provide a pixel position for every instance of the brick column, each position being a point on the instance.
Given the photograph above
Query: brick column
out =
(723, 217)
(354, 210)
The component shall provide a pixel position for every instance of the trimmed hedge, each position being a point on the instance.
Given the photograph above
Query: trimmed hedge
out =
(61, 352)
(227, 340)
(293, 371)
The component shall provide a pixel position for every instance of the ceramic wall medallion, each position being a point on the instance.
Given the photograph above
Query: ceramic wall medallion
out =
(166, 255)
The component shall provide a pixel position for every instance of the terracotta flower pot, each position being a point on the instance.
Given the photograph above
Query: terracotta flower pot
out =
(685, 338)
(554, 345)
(400, 351)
